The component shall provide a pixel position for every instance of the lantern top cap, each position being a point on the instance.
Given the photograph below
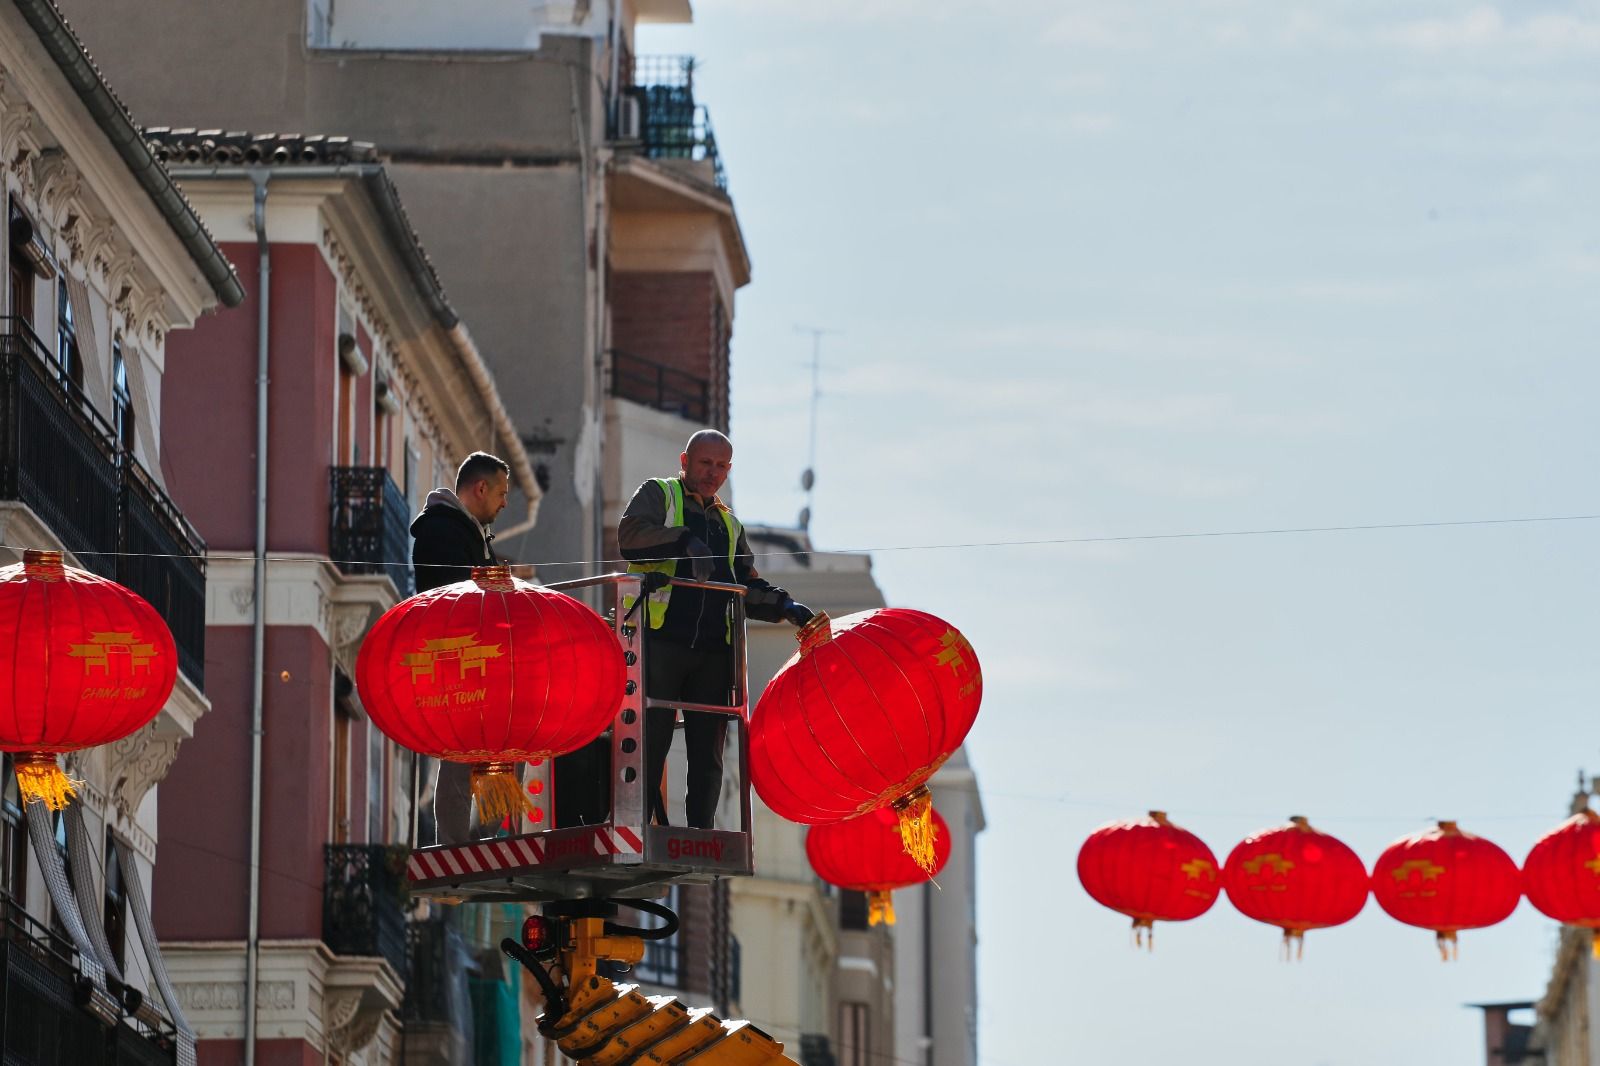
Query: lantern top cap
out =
(493, 578)
(815, 633)
(1300, 822)
(1449, 828)
(43, 565)
(1160, 818)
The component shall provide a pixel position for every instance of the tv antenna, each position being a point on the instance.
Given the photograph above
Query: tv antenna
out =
(808, 479)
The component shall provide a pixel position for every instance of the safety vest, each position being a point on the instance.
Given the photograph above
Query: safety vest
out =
(656, 605)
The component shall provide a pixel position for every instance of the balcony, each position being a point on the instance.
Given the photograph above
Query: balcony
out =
(42, 1017)
(371, 525)
(671, 125)
(62, 459)
(362, 905)
(438, 1007)
(659, 386)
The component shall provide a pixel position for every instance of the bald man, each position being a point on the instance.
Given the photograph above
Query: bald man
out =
(679, 527)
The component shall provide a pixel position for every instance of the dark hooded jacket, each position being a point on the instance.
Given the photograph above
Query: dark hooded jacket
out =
(449, 542)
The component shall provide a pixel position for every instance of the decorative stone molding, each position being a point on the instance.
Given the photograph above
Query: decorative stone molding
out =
(139, 762)
(349, 624)
(229, 995)
(359, 993)
(59, 184)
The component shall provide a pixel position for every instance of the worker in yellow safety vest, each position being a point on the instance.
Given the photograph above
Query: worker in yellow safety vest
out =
(679, 527)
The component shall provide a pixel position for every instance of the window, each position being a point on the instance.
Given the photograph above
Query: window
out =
(663, 959)
(67, 353)
(121, 399)
(20, 237)
(343, 718)
(13, 840)
(855, 1040)
(116, 905)
(852, 909)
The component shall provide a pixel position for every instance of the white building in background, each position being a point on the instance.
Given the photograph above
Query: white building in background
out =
(936, 938)
(813, 974)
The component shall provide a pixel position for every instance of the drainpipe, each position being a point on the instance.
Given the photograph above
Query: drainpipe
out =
(258, 658)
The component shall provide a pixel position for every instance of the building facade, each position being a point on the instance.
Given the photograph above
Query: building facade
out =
(374, 393)
(571, 193)
(842, 992)
(104, 263)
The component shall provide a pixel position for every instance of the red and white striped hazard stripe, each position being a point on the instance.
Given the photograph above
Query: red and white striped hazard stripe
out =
(490, 855)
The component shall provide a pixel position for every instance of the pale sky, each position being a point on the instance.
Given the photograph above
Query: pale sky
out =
(1116, 269)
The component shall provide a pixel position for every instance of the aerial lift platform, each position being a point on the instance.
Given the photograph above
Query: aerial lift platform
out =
(580, 875)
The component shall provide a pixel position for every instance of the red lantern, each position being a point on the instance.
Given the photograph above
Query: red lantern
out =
(861, 716)
(1562, 874)
(491, 671)
(83, 661)
(865, 854)
(1150, 870)
(1446, 880)
(1296, 878)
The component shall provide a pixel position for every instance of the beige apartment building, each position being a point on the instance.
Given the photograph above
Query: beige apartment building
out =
(570, 193)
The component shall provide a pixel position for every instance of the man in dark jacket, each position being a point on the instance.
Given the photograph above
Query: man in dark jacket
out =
(679, 527)
(452, 536)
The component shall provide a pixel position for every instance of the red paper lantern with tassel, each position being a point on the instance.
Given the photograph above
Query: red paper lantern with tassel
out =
(83, 661)
(1296, 878)
(861, 716)
(1562, 874)
(866, 854)
(491, 671)
(1446, 879)
(1150, 870)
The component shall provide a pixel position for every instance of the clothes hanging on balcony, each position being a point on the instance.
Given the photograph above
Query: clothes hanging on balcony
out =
(79, 852)
(42, 835)
(134, 887)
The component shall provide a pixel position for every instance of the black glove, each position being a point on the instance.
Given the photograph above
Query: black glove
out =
(655, 579)
(796, 613)
(699, 558)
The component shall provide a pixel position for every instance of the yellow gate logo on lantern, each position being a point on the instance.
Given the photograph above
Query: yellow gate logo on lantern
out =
(465, 652)
(958, 656)
(1424, 871)
(1193, 869)
(103, 647)
(1275, 866)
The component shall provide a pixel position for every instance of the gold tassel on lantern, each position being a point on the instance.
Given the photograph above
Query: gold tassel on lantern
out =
(498, 792)
(41, 780)
(916, 827)
(880, 908)
(1449, 950)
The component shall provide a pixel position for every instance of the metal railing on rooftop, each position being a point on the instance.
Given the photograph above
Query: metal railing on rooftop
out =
(671, 124)
(61, 457)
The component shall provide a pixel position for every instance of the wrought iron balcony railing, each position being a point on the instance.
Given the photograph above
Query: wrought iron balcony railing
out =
(59, 456)
(653, 384)
(362, 907)
(438, 987)
(41, 1016)
(371, 525)
(671, 124)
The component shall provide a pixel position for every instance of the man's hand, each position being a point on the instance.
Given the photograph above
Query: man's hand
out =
(797, 614)
(655, 579)
(699, 558)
